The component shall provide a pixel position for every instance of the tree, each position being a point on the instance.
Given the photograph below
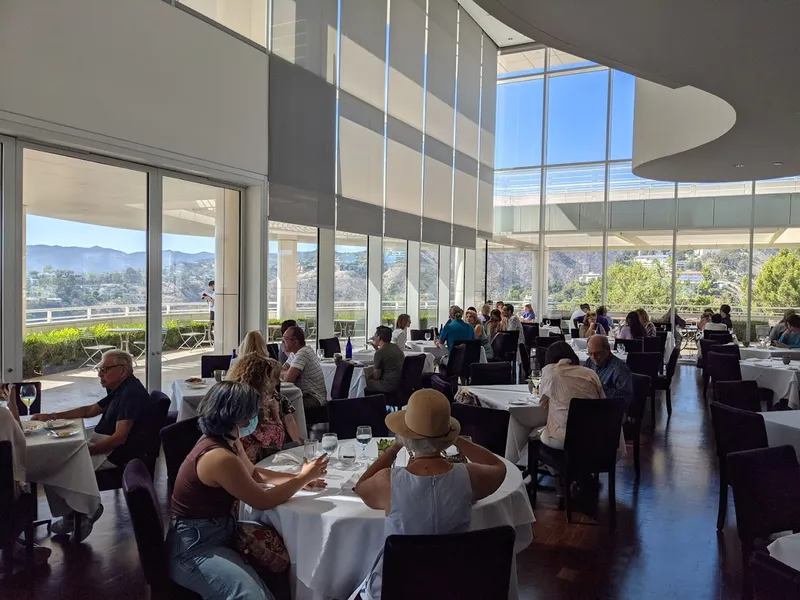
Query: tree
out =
(635, 284)
(778, 282)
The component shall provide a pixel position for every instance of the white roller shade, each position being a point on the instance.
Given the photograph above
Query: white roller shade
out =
(360, 150)
(465, 199)
(469, 85)
(363, 54)
(403, 168)
(304, 33)
(438, 180)
(441, 80)
(488, 101)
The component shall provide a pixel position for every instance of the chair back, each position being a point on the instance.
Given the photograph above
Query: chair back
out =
(481, 558)
(731, 349)
(140, 496)
(411, 376)
(555, 322)
(493, 373)
(655, 344)
(763, 331)
(7, 485)
(274, 351)
(443, 386)
(214, 362)
(766, 492)
(36, 407)
(418, 335)
(736, 430)
(455, 361)
(575, 333)
(330, 346)
(530, 331)
(635, 345)
(773, 580)
(472, 355)
(346, 414)
(342, 378)
(525, 360)
(645, 363)
(663, 326)
(593, 432)
(738, 394)
(641, 391)
(541, 356)
(178, 440)
(546, 341)
(488, 427)
(723, 337)
(722, 366)
(672, 363)
(151, 422)
(706, 345)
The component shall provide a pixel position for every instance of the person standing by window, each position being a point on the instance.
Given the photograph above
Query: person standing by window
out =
(211, 298)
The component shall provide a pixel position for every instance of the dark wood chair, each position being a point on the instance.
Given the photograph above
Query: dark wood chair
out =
(214, 362)
(524, 362)
(442, 385)
(346, 414)
(743, 395)
(734, 430)
(410, 380)
(664, 382)
(178, 440)
(647, 363)
(342, 379)
(766, 494)
(723, 337)
(635, 416)
(547, 341)
(482, 559)
(418, 335)
(472, 355)
(530, 331)
(494, 373)
(590, 446)
(504, 346)
(274, 351)
(455, 364)
(330, 346)
(488, 427)
(18, 513)
(635, 345)
(773, 580)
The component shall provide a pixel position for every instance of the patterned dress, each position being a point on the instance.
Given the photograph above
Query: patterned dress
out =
(270, 435)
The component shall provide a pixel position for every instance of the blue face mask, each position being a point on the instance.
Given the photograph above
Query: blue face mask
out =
(251, 427)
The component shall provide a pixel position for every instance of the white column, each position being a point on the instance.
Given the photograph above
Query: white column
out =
(325, 270)
(24, 253)
(287, 279)
(375, 283)
(459, 265)
(226, 304)
(255, 262)
(412, 283)
(536, 291)
(470, 298)
(444, 284)
(544, 269)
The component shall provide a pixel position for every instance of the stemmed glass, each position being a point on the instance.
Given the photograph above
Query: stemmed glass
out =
(320, 353)
(427, 336)
(363, 437)
(330, 441)
(27, 393)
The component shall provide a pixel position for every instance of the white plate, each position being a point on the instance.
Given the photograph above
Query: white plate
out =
(327, 360)
(31, 426)
(64, 433)
(58, 423)
(519, 402)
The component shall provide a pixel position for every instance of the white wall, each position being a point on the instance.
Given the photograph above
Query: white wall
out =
(140, 74)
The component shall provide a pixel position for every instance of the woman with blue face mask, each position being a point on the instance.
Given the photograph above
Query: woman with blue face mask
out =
(213, 476)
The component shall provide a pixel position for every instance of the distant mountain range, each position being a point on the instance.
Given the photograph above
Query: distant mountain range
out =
(100, 260)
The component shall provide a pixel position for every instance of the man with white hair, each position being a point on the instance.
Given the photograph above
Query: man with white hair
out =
(116, 437)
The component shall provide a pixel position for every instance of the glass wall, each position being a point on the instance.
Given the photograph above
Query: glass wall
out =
(292, 281)
(509, 273)
(395, 278)
(350, 287)
(480, 274)
(428, 285)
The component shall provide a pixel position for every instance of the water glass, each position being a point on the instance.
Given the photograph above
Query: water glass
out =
(427, 336)
(330, 441)
(347, 455)
(363, 437)
(310, 450)
(320, 353)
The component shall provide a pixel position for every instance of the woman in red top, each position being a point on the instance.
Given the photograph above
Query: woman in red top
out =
(216, 473)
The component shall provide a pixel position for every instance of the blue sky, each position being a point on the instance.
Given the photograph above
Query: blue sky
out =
(576, 133)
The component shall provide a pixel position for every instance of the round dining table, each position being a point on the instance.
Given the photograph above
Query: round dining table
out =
(333, 538)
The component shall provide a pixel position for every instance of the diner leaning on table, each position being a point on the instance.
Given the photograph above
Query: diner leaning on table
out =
(791, 337)
(633, 328)
(614, 373)
(591, 326)
(275, 413)
(205, 543)
(119, 437)
(644, 318)
(495, 324)
(480, 333)
(429, 496)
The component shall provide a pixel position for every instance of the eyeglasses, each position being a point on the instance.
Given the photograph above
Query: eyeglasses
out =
(106, 369)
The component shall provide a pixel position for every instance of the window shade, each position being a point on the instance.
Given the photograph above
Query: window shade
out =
(304, 33)
(469, 85)
(441, 80)
(488, 100)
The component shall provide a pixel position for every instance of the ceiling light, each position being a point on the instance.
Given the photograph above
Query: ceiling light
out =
(777, 163)
(738, 166)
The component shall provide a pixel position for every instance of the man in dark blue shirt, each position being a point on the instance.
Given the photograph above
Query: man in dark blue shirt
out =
(614, 373)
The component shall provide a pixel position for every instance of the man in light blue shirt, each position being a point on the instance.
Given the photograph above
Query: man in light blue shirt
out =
(791, 337)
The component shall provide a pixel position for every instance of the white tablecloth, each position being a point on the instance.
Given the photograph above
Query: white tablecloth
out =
(787, 550)
(64, 467)
(783, 428)
(580, 347)
(548, 330)
(524, 419)
(333, 537)
(357, 384)
(428, 348)
(367, 356)
(757, 352)
(774, 375)
(185, 400)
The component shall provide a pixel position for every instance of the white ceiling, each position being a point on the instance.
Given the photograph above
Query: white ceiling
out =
(501, 34)
(744, 52)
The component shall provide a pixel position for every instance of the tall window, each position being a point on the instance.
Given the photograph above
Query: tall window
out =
(292, 282)
(350, 286)
(428, 285)
(395, 276)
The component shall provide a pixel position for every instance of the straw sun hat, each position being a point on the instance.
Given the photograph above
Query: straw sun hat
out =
(427, 415)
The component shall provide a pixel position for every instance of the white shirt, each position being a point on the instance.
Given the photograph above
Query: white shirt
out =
(10, 431)
(513, 323)
(561, 382)
(578, 313)
(715, 327)
(400, 337)
(213, 295)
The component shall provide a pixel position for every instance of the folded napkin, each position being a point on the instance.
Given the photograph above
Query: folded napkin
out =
(287, 458)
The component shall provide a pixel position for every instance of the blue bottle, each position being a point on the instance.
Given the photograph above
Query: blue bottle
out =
(348, 350)
(233, 353)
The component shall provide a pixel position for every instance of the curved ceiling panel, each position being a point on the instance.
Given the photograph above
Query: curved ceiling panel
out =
(744, 53)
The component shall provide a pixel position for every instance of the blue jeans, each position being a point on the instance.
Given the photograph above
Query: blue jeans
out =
(203, 560)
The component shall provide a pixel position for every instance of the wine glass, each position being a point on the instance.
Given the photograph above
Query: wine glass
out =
(330, 441)
(347, 455)
(320, 353)
(27, 393)
(427, 336)
(310, 450)
(364, 437)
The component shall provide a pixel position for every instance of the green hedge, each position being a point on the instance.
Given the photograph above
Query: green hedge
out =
(740, 327)
(60, 349)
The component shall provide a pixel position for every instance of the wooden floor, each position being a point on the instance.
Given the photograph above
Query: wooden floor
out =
(666, 544)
